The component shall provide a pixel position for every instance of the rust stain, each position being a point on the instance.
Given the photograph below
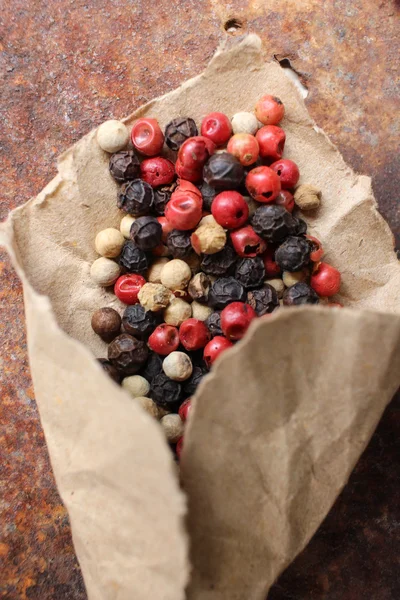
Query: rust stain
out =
(65, 67)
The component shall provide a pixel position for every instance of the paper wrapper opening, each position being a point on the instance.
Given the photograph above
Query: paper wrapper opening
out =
(277, 426)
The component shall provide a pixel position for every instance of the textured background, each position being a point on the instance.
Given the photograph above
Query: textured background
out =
(67, 65)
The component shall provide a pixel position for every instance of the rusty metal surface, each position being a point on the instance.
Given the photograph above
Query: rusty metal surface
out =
(65, 66)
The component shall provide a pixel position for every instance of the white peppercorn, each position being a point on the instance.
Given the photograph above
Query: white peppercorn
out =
(278, 285)
(177, 311)
(209, 238)
(244, 122)
(109, 242)
(176, 274)
(105, 271)
(136, 385)
(177, 366)
(149, 406)
(112, 136)
(199, 286)
(154, 272)
(307, 197)
(290, 278)
(173, 427)
(125, 226)
(200, 311)
(207, 220)
(154, 296)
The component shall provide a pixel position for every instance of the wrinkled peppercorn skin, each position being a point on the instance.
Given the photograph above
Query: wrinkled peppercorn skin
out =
(152, 367)
(136, 197)
(224, 291)
(273, 223)
(250, 272)
(133, 259)
(179, 244)
(178, 131)
(139, 322)
(124, 166)
(220, 263)
(264, 300)
(190, 385)
(146, 233)
(300, 293)
(162, 196)
(110, 370)
(127, 354)
(293, 254)
(208, 194)
(165, 392)
(223, 172)
(213, 323)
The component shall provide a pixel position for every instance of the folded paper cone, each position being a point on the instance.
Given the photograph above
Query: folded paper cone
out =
(278, 425)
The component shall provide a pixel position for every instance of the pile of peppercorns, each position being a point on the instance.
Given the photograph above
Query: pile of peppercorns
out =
(205, 246)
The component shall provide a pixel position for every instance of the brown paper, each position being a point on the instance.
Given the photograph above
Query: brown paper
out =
(279, 424)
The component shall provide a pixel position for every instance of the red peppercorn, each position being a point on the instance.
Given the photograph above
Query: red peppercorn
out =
(127, 287)
(188, 188)
(263, 184)
(271, 141)
(272, 268)
(157, 171)
(217, 346)
(166, 227)
(326, 280)
(183, 211)
(247, 243)
(230, 209)
(269, 110)
(245, 147)
(235, 319)
(164, 339)
(184, 409)
(194, 153)
(186, 173)
(194, 334)
(147, 137)
(285, 199)
(317, 251)
(179, 447)
(217, 127)
(287, 171)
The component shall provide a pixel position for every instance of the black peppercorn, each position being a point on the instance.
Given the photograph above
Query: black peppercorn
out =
(223, 171)
(273, 223)
(136, 197)
(208, 194)
(124, 166)
(300, 293)
(190, 385)
(146, 233)
(179, 244)
(250, 272)
(127, 354)
(139, 322)
(153, 367)
(109, 369)
(165, 392)
(300, 226)
(293, 254)
(133, 259)
(162, 196)
(220, 263)
(224, 291)
(178, 131)
(106, 322)
(263, 301)
(213, 323)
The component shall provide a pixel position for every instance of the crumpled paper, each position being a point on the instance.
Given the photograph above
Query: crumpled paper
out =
(279, 423)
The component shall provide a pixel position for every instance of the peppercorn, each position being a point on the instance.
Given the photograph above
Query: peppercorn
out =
(326, 280)
(164, 339)
(193, 261)
(112, 136)
(278, 286)
(244, 122)
(230, 210)
(139, 322)
(153, 366)
(208, 238)
(105, 271)
(194, 334)
(146, 233)
(300, 226)
(162, 196)
(307, 197)
(285, 199)
(176, 274)
(213, 323)
(157, 170)
(208, 193)
(263, 301)
(166, 392)
(288, 172)
(200, 311)
(223, 171)
(289, 278)
(263, 184)
(246, 242)
(125, 226)
(154, 296)
(177, 311)
(178, 131)
(124, 166)
(179, 244)
(127, 288)
(269, 110)
(136, 197)
(106, 322)
(273, 223)
(217, 127)
(136, 385)
(300, 293)
(178, 366)
(293, 254)
(173, 428)
(186, 406)
(220, 263)
(190, 385)
(214, 348)
(127, 354)
(133, 259)
(149, 406)
(199, 287)
(250, 272)
(109, 242)
(236, 319)
(109, 369)
(147, 136)
(224, 291)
